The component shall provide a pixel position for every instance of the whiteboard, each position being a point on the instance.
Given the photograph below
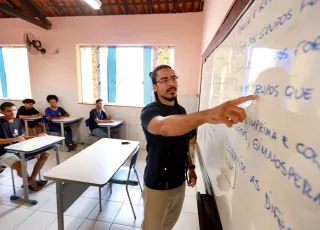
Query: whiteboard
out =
(264, 171)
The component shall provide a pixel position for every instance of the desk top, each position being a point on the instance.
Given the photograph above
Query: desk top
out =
(67, 120)
(34, 145)
(32, 118)
(94, 165)
(113, 124)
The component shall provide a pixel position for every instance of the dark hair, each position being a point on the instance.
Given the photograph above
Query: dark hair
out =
(28, 100)
(5, 105)
(153, 76)
(50, 97)
(98, 100)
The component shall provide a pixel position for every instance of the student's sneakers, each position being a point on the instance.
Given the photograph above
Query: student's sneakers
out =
(72, 146)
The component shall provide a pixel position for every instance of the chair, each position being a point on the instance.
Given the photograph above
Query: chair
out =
(126, 175)
(87, 123)
(45, 122)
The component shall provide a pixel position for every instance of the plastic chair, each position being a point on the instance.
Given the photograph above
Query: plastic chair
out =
(87, 123)
(45, 122)
(126, 175)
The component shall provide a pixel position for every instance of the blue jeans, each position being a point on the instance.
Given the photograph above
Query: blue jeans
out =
(102, 132)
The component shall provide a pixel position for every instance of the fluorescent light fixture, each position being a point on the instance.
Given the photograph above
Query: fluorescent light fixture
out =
(95, 4)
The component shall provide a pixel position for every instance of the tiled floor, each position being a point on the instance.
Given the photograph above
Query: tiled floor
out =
(84, 214)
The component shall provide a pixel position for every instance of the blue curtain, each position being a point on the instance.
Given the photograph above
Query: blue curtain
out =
(3, 77)
(146, 78)
(112, 73)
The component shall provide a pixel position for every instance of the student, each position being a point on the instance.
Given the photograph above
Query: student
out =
(11, 132)
(54, 112)
(166, 126)
(28, 111)
(99, 115)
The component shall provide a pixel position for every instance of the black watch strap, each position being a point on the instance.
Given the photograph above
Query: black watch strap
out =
(191, 166)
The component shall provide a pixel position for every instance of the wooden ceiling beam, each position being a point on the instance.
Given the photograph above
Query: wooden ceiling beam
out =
(174, 6)
(35, 11)
(192, 6)
(78, 5)
(125, 5)
(150, 7)
(121, 4)
(17, 13)
(200, 1)
(60, 9)
(13, 4)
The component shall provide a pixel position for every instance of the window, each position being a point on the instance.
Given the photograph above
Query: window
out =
(120, 75)
(14, 73)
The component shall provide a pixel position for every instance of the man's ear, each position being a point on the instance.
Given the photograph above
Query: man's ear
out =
(154, 87)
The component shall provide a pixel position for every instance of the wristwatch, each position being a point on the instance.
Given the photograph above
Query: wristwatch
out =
(191, 166)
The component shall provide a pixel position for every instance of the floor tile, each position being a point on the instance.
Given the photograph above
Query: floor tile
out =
(191, 191)
(119, 193)
(4, 209)
(94, 225)
(13, 217)
(50, 187)
(125, 216)
(4, 189)
(82, 207)
(190, 204)
(187, 221)
(37, 221)
(70, 223)
(49, 206)
(41, 197)
(122, 227)
(109, 212)
(136, 197)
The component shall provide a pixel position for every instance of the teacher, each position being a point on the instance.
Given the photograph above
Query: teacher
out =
(166, 127)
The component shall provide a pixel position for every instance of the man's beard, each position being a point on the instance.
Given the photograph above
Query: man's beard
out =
(173, 98)
(170, 98)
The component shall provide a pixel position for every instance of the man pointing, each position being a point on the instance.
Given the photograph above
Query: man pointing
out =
(166, 127)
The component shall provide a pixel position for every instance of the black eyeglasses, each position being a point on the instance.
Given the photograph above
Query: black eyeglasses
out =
(167, 80)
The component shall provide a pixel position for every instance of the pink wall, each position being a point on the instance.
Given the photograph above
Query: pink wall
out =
(58, 73)
(213, 14)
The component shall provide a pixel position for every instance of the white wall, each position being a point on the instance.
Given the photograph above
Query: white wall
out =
(57, 74)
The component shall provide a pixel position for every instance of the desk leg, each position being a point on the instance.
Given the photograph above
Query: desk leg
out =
(25, 181)
(26, 127)
(60, 205)
(57, 153)
(62, 134)
(109, 132)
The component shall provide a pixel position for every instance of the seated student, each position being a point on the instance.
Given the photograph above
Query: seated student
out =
(54, 112)
(99, 115)
(28, 111)
(11, 132)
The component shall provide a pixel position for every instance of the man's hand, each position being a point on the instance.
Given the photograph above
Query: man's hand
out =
(19, 139)
(108, 121)
(192, 178)
(228, 113)
(42, 134)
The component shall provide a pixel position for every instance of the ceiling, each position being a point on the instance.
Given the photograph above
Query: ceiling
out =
(61, 8)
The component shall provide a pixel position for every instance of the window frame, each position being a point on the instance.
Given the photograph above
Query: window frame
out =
(18, 46)
(79, 72)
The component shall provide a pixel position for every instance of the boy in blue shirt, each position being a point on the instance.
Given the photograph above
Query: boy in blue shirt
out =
(55, 112)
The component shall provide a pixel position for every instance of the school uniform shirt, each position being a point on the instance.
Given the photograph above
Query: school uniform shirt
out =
(26, 112)
(9, 130)
(96, 114)
(54, 113)
(166, 167)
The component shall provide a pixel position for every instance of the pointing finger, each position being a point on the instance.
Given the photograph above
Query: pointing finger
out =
(241, 100)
